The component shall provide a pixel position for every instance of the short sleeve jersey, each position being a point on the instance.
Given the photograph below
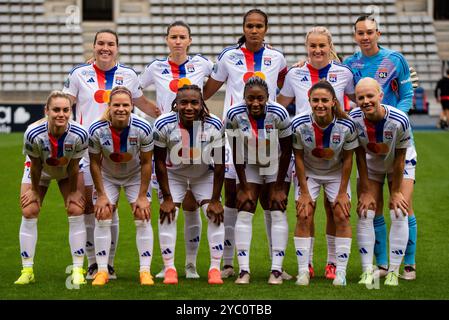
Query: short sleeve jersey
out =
(380, 140)
(323, 148)
(257, 132)
(184, 146)
(299, 81)
(121, 150)
(91, 88)
(235, 65)
(168, 77)
(55, 153)
(390, 69)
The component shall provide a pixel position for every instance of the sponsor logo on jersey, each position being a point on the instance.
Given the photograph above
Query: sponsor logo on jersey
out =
(332, 77)
(388, 135)
(383, 73)
(336, 138)
(91, 80)
(165, 71)
(239, 63)
(304, 79)
(119, 81)
(267, 61)
(308, 139)
(106, 143)
(190, 67)
(68, 147)
(133, 141)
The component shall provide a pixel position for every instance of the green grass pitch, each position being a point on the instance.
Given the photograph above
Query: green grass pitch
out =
(53, 255)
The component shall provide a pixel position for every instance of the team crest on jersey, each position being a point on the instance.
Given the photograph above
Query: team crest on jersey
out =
(268, 128)
(336, 138)
(190, 67)
(119, 81)
(383, 73)
(68, 147)
(332, 77)
(133, 141)
(388, 134)
(267, 61)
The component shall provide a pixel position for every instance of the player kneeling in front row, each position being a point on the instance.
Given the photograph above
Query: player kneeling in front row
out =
(187, 139)
(385, 134)
(261, 127)
(54, 146)
(323, 143)
(120, 151)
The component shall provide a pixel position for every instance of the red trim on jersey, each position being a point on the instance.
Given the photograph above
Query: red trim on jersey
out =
(314, 74)
(54, 145)
(115, 140)
(101, 77)
(370, 130)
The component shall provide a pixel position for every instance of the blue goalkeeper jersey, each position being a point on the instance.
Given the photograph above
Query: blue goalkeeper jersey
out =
(391, 70)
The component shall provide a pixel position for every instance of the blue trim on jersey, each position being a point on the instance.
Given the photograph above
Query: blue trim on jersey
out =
(356, 113)
(77, 67)
(80, 132)
(146, 128)
(401, 121)
(401, 59)
(398, 115)
(144, 124)
(201, 56)
(347, 123)
(96, 125)
(36, 131)
(216, 123)
(280, 111)
(296, 122)
(161, 122)
(160, 60)
(235, 111)
(126, 67)
(226, 50)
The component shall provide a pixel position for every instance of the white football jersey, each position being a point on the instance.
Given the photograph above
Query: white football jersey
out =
(323, 148)
(235, 65)
(121, 150)
(168, 77)
(381, 139)
(91, 88)
(55, 154)
(298, 82)
(185, 147)
(258, 134)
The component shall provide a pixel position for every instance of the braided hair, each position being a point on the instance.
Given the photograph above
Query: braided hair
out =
(324, 84)
(204, 109)
(256, 82)
(242, 39)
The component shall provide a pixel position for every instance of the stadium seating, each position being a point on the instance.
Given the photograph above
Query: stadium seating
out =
(37, 50)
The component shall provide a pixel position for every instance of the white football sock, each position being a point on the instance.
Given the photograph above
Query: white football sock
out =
(243, 234)
(192, 234)
(89, 222)
(230, 218)
(302, 246)
(215, 237)
(342, 251)
(312, 244)
(77, 239)
(279, 236)
(398, 240)
(28, 239)
(144, 241)
(267, 218)
(331, 250)
(114, 236)
(167, 240)
(366, 239)
(102, 234)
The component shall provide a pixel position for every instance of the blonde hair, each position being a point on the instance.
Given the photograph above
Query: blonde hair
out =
(324, 31)
(116, 90)
(53, 95)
